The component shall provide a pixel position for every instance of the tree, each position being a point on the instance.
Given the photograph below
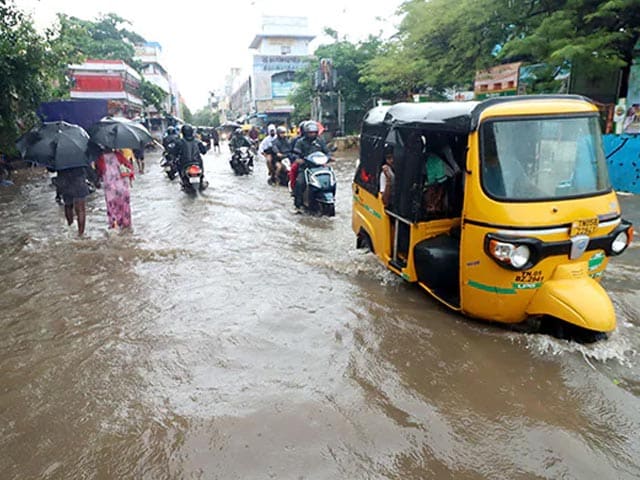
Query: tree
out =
(152, 95)
(28, 65)
(187, 116)
(599, 35)
(348, 59)
(439, 44)
(206, 117)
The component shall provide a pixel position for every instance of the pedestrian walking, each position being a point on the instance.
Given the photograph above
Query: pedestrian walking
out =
(116, 173)
(71, 184)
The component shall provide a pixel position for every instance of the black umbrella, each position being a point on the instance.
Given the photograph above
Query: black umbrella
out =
(116, 133)
(56, 145)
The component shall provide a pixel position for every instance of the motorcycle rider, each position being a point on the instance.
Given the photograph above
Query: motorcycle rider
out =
(190, 151)
(239, 140)
(266, 150)
(305, 146)
(281, 148)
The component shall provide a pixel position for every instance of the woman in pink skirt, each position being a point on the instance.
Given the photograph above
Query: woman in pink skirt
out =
(116, 173)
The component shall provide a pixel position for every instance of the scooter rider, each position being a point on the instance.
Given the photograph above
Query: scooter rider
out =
(307, 145)
(281, 148)
(266, 150)
(190, 152)
(238, 140)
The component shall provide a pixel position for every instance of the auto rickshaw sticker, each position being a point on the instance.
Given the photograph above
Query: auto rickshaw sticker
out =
(596, 261)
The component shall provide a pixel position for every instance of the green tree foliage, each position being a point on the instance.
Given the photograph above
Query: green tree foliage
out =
(348, 59)
(28, 65)
(187, 116)
(439, 44)
(598, 34)
(205, 117)
(106, 38)
(152, 95)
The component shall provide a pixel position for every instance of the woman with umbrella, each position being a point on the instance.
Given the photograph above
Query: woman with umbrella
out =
(116, 172)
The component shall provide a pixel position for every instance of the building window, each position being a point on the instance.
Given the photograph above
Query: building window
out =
(285, 49)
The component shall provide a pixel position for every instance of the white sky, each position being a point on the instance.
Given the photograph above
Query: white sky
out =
(201, 40)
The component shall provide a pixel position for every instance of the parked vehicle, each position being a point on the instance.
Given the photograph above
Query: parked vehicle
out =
(521, 222)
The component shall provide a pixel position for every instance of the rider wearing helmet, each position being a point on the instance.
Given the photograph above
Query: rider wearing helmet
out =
(281, 149)
(238, 140)
(266, 150)
(304, 147)
(190, 152)
(171, 141)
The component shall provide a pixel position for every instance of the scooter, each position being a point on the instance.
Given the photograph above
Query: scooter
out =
(192, 179)
(283, 176)
(168, 164)
(320, 192)
(242, 161)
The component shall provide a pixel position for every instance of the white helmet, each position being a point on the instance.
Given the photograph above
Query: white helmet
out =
(271, 128)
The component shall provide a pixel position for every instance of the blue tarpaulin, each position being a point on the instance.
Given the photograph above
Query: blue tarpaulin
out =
(623, 160)
(83, 112)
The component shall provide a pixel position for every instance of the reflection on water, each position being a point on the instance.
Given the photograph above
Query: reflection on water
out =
(227, 337)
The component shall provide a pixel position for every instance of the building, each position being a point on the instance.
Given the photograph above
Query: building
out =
(153, 71)
(112, 80)
(150, 55)
(282, 49)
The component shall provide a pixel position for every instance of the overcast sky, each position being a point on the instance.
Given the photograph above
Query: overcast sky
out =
(202, 40)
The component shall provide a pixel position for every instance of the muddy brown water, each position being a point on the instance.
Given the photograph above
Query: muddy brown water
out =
(227, 338)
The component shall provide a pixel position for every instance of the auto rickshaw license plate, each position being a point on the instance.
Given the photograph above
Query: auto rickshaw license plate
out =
(584, 227)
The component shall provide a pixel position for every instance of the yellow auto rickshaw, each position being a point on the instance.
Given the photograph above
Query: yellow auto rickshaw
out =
(500, 209)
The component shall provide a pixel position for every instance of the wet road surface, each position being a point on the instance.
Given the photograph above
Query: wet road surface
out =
(228, 338)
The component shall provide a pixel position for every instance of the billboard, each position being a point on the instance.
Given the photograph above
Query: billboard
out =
(497, 81)
(631, 122)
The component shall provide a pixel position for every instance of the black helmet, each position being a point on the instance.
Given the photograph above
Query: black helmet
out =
(187, 131)
(171, 130)
(311, 127)
(388, 149)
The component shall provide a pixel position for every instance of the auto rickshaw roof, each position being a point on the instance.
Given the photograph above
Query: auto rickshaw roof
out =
(450, 116)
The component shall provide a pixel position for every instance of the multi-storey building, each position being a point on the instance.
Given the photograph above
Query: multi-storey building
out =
(282, 50)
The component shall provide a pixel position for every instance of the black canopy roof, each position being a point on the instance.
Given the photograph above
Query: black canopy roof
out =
(448, 116)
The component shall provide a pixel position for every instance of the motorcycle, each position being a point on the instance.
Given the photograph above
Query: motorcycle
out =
(320, 191)
(283, 176)
(192, 178)
(242, 161)
(168, 164)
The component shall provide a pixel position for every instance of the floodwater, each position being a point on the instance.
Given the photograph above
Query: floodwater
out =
(228, 338)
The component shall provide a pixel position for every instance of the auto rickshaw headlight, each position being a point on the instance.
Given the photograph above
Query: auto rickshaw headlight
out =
(516, 256)
(620, 243)
(520, 256)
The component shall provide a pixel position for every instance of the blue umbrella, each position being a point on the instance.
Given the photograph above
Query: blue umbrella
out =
(56, 145)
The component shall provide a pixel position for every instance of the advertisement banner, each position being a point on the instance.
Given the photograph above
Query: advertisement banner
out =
(631, 123)
(497, 81)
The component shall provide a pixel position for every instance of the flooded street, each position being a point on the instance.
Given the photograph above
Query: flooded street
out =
(228, 338)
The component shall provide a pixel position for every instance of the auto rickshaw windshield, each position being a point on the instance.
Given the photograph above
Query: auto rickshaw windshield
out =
(543, 158)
